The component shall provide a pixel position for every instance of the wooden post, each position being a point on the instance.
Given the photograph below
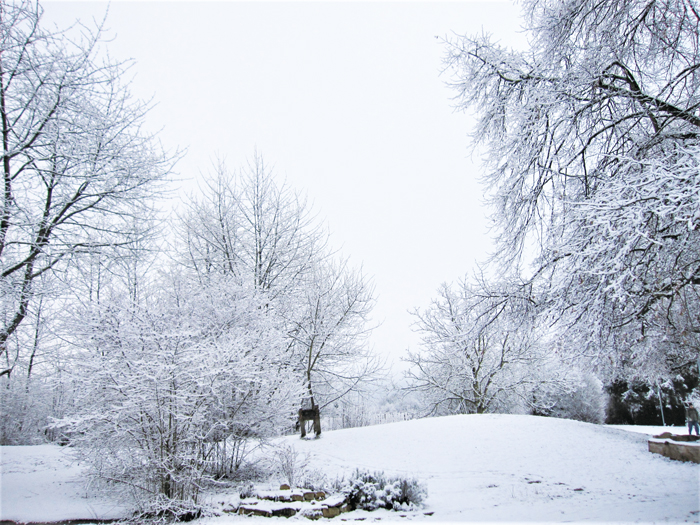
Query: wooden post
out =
(317, 422)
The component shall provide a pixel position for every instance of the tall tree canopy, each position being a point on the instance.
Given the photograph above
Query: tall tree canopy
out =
(479, 352)
(593, 161)
(251, 228)
(78, 172)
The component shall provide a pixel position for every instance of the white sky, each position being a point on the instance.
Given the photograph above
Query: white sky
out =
(346, 100)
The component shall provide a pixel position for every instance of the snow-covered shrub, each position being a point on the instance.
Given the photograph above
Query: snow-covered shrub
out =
(289, 464)
(174, 387)
(314, 479)
(581, 397)
(371, 491)
(247, 471)
(24, 412)
(586, 402)
(247, 491)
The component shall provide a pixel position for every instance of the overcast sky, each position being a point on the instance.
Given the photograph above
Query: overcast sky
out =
(346, 100)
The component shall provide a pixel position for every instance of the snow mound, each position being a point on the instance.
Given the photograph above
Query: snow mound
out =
(519, 468)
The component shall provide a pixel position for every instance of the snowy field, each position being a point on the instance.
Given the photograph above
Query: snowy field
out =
(477, 468)
(42, 483)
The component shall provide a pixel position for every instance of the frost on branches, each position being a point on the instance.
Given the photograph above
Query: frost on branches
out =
(174, 387)
(479, 351)
(80, 178)
(258, 232)
(183, 369)
(79, 175)
(593, 176)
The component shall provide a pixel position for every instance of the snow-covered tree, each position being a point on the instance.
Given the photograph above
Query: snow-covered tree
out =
(580, 396)
(78, 172)
(593, 142)
(259, 232)
(247, 225)
(479, 352)
(329, 329)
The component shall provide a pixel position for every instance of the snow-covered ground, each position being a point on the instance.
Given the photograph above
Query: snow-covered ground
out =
(477, 468)
(650, 430)
(45, 483)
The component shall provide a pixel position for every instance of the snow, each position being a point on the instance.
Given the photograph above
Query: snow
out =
(651, 430)
(47, 483)
(477, 468)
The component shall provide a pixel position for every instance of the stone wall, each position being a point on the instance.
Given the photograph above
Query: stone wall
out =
(680, 448)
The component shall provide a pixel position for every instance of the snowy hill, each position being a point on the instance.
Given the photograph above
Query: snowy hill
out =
(476, 467)
(521, 468)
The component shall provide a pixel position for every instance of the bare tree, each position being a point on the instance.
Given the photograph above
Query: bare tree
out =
(78, 172)
(247, 225)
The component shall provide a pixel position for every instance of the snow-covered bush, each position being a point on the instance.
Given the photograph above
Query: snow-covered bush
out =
(247, 491)
(24, 412)
(586, 402)
(371, 491)
(174, 388)
(314, 479)
(581, 397)
(288, 463)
